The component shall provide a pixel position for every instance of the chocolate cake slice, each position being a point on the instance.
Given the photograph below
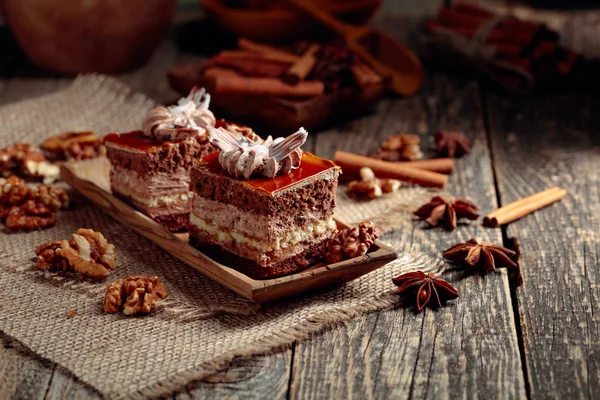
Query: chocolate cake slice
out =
(264, 226)
(153, 175)
(150, 168)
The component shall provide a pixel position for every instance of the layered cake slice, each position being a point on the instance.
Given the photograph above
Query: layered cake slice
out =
(263, 207)
(150, 168)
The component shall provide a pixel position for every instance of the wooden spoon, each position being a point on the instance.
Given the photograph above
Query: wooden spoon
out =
(382, 52)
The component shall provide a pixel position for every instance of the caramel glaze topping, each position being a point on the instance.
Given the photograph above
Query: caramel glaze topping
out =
(138, 141)
(310, 166)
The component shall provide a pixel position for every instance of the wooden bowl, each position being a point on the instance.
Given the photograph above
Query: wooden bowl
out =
(275, 114)
(72, 36)
(277, 25)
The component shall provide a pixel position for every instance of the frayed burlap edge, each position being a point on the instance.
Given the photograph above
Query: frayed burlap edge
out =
(282, 340)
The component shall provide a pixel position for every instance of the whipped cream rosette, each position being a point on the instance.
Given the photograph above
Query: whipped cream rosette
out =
(243, 157)
(188, 118)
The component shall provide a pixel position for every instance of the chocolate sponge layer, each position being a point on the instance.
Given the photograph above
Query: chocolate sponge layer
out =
(315, 196)
(311, 255)
(164, 157)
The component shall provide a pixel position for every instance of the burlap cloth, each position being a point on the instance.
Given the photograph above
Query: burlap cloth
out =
(201, 325)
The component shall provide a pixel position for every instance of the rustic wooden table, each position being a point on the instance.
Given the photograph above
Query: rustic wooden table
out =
(541, 340)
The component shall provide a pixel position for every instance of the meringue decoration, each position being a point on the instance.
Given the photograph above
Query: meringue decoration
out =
(188, 118)
(243, 157)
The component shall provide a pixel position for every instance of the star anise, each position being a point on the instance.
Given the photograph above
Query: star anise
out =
(423, 289)
(447, 212)
(451, 144)
(485, 256)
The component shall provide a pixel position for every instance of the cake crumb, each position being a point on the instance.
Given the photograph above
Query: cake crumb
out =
(71, 313)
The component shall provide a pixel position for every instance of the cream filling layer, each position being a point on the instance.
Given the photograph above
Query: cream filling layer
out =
(292, 238)
(154, 201)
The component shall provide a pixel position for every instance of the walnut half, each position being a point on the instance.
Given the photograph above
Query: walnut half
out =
(351, 242)
(28, 216)
(134, 294)
(73, 145)
(88, 253)
(24, 208)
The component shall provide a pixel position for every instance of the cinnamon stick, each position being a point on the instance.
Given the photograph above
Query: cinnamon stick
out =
(239, 54)
(457, 16)
(255, 55)
(495, 36)
(236, 84)
(441, 165)
(514, 24)
(365, 76)
(352, 163)
(266, 51)
(213, 72)
(301, 68)
(251, 66)
(520, 208)
(507, 32)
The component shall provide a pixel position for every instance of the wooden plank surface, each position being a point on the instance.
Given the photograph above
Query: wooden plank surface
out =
(21, 375)
(451, 352)
(472, 347)
(542, 141)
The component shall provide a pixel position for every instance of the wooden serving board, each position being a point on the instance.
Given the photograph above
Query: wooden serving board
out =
(91, 179)
(276, 113)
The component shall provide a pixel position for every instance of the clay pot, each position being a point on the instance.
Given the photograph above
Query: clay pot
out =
(72, 36)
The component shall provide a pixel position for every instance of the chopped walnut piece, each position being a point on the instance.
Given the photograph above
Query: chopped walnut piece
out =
(113, 297)
(370, 189)
(366, 174)
(13, 158)
(26, 161)
(13, 191)
(389, 185)
(370, 186)
(134, 294)
(49, 257)
(24, 208)
(89, 253)
(351, 242)
(29, 216)
(58, 144)
(42, 169)
(401, 147)
(55, 199)
(78, 151)
(73, 145)
(334, 251)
